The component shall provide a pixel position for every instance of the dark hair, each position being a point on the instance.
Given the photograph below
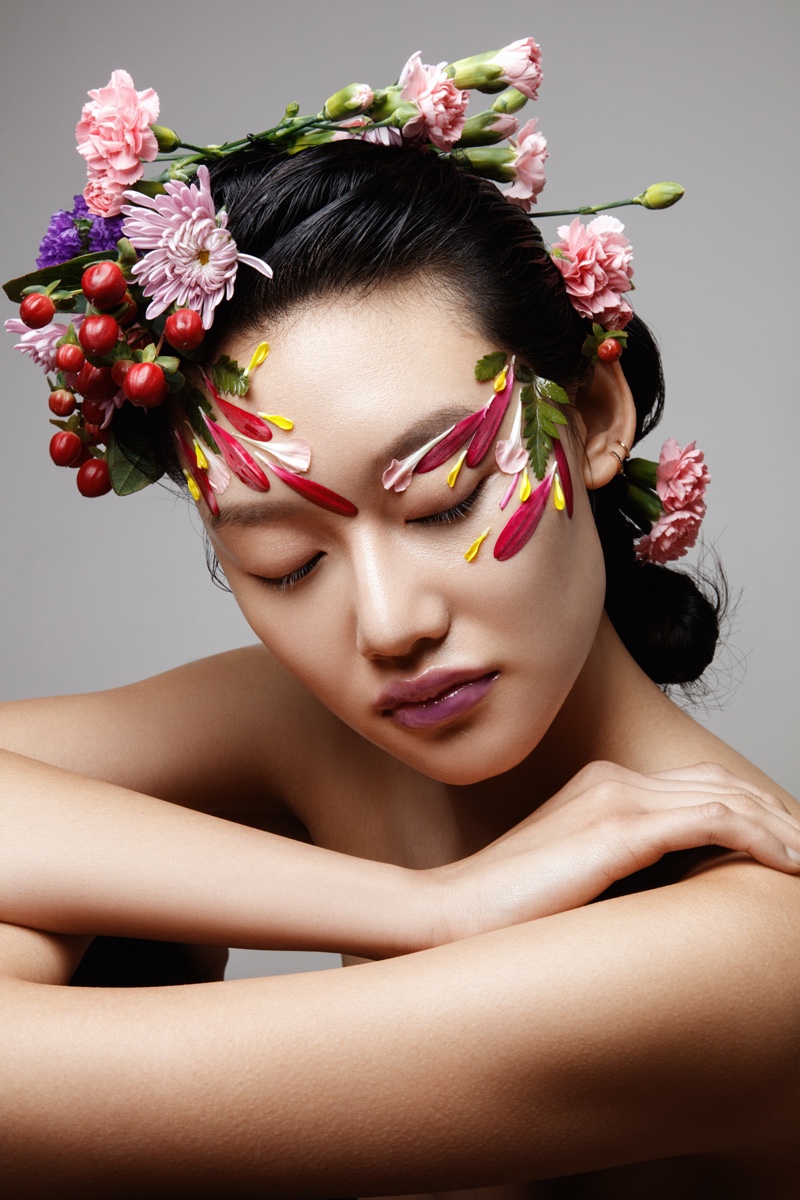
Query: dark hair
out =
(350, 217)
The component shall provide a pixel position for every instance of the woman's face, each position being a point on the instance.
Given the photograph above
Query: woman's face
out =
(455, 667)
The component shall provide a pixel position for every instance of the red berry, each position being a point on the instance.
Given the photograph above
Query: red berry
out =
(69, 357)
(129, 312)
(37, 310)
(99, 334)
(145, 385)
(93, 478)
(94, 431)
(184, 329)
(65, 448)
(62, 402)
(120, 370)
(103, 284)
(609, 350)
(92, 412)
(96, 382)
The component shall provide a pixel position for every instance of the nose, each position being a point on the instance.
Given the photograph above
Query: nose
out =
(399, 609)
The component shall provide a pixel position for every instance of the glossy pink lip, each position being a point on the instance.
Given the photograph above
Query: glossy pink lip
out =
(434, 697)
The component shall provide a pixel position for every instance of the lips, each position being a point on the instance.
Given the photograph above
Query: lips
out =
(434, 697)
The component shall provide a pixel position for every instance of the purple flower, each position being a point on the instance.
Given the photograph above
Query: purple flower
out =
(77, 232)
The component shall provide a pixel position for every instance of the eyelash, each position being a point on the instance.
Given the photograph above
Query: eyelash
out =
(285, 583)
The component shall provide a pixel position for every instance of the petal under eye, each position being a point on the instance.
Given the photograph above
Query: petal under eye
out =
(283, 583)
(463, 509)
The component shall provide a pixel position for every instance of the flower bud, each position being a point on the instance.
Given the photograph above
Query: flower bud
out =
(479, 72)
(487, 128)
(404, 113)
(509, 101)
(659, 195)
(493, 162)
(384, 103)
(167, 138)
(348, 102)
(148, 187)
(642, 471)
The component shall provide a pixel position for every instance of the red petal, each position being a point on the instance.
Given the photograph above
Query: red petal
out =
(566, 478)
(521, 526)
(243, 465)
(242, 420)
(492, 419)
(315, 492)
(450, 444)
(199, 476)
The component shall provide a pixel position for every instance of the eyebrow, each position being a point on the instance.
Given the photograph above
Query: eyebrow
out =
(424, 430)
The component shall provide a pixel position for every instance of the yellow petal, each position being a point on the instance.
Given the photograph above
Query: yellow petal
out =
(500, 380)
(558, 494)
(525, 490)
(275, 419)
(194, 490)
(200, 457)
(259, 354)
(453, 476)
(472, 553)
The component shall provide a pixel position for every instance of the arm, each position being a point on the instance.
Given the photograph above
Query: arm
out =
(649, 1026)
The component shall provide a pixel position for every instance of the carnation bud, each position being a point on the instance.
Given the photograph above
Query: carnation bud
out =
(404, 113)
(478, 72)
(348, 102)
(148, 187)
(659, 195)
(167, 139)
(493, 162)
(509, 101)
(384, 103)
(486, 128)
(642, 471)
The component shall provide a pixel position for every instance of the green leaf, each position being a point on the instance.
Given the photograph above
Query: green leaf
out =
(130, 469)
(538, 440)
(551, 391)
(553, 414)
(228, 377)
(490, 365)
(168, 363)
(68, 274)
(524, 374)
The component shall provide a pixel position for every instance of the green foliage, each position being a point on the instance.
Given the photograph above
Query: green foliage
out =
(132, 463)
(490, 365)
(67, 275)
(542, 420)
(228, 377)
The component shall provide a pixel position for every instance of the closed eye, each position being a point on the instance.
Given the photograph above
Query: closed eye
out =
(452, 514)
(284, 582)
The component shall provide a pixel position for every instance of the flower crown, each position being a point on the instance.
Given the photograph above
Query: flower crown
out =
(139, 266)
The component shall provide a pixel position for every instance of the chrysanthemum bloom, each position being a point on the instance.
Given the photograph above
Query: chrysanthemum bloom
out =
(672, 535)
(115, 138)
(595, 260)
(681, 477)
(442, 106)
(192, 259)
(531, 150)
(41, 344)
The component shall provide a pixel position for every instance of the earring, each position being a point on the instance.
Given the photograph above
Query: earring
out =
(621, 461)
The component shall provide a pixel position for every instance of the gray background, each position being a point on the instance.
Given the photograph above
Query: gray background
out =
(98, 593)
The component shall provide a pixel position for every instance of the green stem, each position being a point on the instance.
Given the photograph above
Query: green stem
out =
(582, 212)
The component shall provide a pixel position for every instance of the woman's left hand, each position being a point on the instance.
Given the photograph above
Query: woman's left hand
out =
(606, 824)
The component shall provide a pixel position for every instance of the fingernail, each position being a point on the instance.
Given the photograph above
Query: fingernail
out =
(794, 855)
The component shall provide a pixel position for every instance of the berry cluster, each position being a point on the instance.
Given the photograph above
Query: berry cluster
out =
(107, 360)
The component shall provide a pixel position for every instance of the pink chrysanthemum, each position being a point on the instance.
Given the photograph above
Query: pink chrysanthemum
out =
(41, 344)
(192, 259)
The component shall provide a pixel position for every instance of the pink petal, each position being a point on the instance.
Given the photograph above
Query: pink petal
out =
(243, 465)
(521, 526)
(452, 442)
(566, 477)
(514, 481)
(492, 419)
(293, 453)
(242, 420)
(315, 492)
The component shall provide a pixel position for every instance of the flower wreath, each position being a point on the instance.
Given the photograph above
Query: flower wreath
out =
(139, 266)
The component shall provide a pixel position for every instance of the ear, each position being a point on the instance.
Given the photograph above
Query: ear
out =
(605, 416)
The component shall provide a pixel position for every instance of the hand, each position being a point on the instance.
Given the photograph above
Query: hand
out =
(604, 825)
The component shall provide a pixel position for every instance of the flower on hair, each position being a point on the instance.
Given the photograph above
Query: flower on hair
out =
(531, 151)
(192, 259)
(442, 106)
(681, 477)
(77, 232)
(41, 344)
(115, 138)
(595, 261)
(672, 535)
(518, 64)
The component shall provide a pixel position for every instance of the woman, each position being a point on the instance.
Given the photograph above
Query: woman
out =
(428, 685)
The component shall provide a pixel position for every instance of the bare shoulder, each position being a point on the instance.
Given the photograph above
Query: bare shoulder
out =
(220, 734)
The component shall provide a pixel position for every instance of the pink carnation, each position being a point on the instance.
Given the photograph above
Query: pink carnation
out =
(521, 64)
(442, 106)
(531, 149)
(681, 477)
(595, 260)
(672, 535)
(114, 137)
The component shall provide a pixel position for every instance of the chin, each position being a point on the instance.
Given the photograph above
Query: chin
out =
(463, 756)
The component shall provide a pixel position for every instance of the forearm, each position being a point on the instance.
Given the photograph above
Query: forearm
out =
(79, 856)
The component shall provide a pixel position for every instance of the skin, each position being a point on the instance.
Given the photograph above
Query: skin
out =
(647, 1038)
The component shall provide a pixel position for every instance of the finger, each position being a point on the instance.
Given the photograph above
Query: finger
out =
(716, 774)
(680, 794)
